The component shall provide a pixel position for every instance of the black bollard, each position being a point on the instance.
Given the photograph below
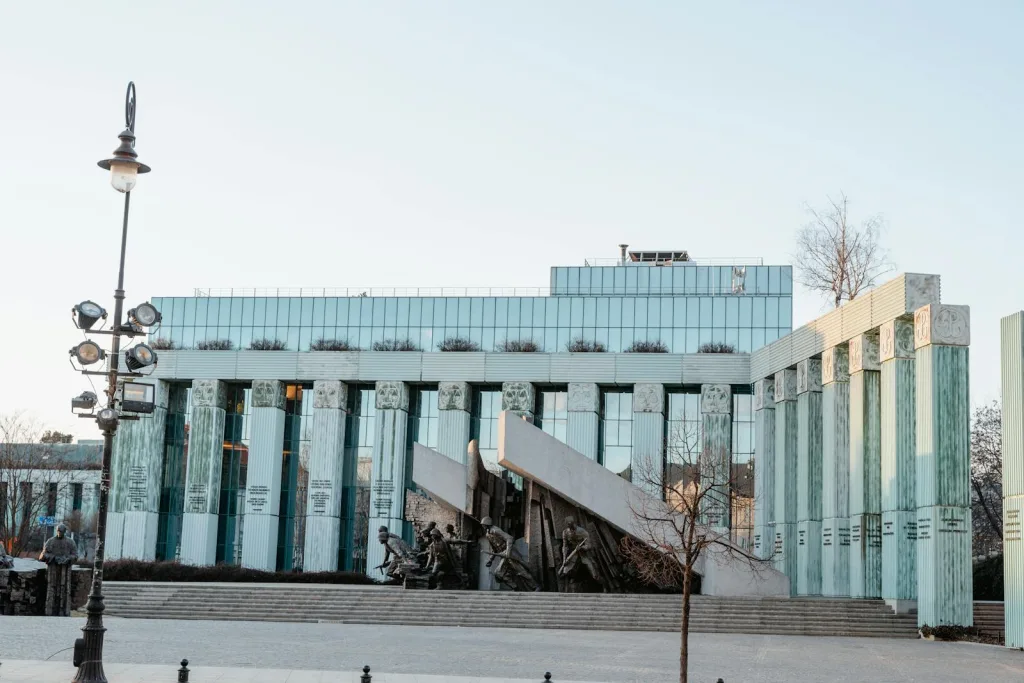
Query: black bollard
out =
(720, 681)
(547, 677)
(366, 677)
(183, 672)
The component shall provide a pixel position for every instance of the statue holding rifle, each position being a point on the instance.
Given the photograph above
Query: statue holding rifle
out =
(578, 567)
(505, 564)
(396, 554)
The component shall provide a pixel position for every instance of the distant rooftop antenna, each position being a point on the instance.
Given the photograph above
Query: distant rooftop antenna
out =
(623, 247)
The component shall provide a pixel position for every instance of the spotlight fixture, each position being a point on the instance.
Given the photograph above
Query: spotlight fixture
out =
(84, 401)
(139, 356)
(144, 315)
(88, 352)
(107, 419)
(138, 398)
(87, 313)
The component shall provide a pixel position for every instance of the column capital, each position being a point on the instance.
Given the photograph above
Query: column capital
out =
(209, 393)
(896, 340)
(715, 398)
(835, 365)
(648, 398)
(584, 397)
(453, 396)
(808, 376)
(330, 394)
(785, 385)
(518, 397)
(864, 353)
(268, 393)
(942, 324)
(392, 395)
(764, 394)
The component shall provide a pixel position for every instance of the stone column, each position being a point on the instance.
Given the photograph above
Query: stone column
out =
(808, 477)
(1012, 334)
(785, 557)
(942, 470)
(519, 398)
(326, 476)
(453, 406)
(263, 477)
(648, 456)
(582, 428)
(865, 468)
(835, 480)
(387, 479)
(899, 450)
(764, 468)
(202, 478)
(716, 455)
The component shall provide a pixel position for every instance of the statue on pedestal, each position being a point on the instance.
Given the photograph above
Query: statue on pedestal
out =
(397, 551)
(59, 554)
(511, 570)
(578, 566)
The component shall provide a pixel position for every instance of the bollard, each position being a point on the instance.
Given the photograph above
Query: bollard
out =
(183, 672)
(720, 681)
(547, 677)
(365, 678)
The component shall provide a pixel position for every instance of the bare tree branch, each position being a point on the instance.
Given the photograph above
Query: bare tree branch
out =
(987, 478)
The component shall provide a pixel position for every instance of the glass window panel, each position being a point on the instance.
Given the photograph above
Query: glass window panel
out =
(294, 312)
(705, 311)
(615, 312)
(628, 312)
(762, 279)
(305, 336)
(365, 311)
(725, 280)
(631, 278)
(464, 311)
(678, 344)
(692, 311)
(538, 312)
(786, 312)
(691, 279)
(757, 338)
(655, 279)
(589, 312)
(551, 307)
(378, 311)
(513, 312)
(526, 312)
(744, 346)
(692, 337)
(595, 280)
(620, 280)
(415, 311)
(352, 308)
(307, 311)
(702, 279)
(212, 310)
(563, 312)
(787, 280)
(331, 312)
(607, 280)
(732, 337)
(438, 312)
(758, 317)
(614, 340)
(705, 336)
(601, 318)
(640, 311)
(732, 312)
(561, 280)
(771, 311)
(390, 311)
(679, 311)
(746, 311)
(574, 280)
(489, 305)
(654, 311)
(774, 280)
(501, 312)
(770, 335)
(293, 338)
(666, 312)
(643, 285)
(451, 313)
(402, 317)
(197, 316)
(718, 312)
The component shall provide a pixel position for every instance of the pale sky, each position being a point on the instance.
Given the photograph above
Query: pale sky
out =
(477, 144)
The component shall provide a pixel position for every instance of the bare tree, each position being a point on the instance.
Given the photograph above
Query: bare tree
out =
(33, 479)
(684, 521)
(53, 436)
(837, 258)
(987, 478)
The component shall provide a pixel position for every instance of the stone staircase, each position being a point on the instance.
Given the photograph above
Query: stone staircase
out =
(387, 605)
(989, 619)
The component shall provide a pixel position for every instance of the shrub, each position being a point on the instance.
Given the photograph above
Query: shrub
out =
(656, 346)
(161, 344)
(267, 345)
(519, 346)
(457, 344)
(332, 345)
(581, 345)
(988, 578)
(215, 345)
(716, 347)
(137, 570)
(949, 632)
(395, 345)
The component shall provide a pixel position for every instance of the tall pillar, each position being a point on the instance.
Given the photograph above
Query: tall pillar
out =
(808, 477)
(263, 477)
(785, 558)
(582, 428)
(764, 468)
(202, 478)
(716, 454)
(835, 468)
(453, 406)
(648, 436)
(1012, 364)
(899, 450)
(326, 462)
(944, 571)
(865, 468)
(387, 482)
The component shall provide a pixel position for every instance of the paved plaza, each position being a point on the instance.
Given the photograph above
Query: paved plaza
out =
(509, 653)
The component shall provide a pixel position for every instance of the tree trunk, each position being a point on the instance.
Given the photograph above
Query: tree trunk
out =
(684, 631)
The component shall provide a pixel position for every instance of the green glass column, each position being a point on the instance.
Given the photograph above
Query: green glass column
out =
(835, 466)
(865, 468)
(785, 556)
(808, 477)
(716, 455)
(942, 469)
(764, 468)
(1013, 476)
(899, 451)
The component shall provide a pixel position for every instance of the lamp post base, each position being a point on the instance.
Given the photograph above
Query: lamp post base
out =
(89, 650)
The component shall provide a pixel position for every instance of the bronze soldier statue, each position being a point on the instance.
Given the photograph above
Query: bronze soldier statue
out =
(423, 542)
(59, 554)
(511, 570)
(578, 566)
(440, 559)
(397, 551)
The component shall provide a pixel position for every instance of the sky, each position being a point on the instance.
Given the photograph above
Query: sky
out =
(332, 144)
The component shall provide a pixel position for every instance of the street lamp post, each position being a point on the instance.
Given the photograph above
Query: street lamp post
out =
(124, 168)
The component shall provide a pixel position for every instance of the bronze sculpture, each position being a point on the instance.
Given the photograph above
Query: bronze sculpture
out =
(510, 571)
(578, 567)
(397, 554)
(59, 553)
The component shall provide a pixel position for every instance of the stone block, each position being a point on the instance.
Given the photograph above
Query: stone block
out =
(835, 557)
(943, 324)
(866, 556)
(945, 579)
(808, 554)
(899, 555)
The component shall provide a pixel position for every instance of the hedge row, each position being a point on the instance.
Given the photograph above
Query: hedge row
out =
(136, 570)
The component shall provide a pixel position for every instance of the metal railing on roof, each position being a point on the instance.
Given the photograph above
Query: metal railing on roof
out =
(725, 261)
(371, 291)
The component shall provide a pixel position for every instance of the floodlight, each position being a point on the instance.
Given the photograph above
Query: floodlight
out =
(87, 313)
(139, 356)
(84, 401)
(88, 352)
(138, 398)
(107, 419)
(144, 315)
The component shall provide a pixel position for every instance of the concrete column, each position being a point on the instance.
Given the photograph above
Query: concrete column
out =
(899, 450)
(582, 428)
(263, 478)
(202, 478)
(764, 468)
(835, 480)
(808, 477)
(942, 470)
(785, 557)
(1013, 476)
(136, 475)
(648, 436)
(326, 476)
(454, 400)
(716, 455)
(865, 468)
(387, 479)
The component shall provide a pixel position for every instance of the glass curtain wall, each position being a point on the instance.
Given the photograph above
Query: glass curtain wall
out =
(423, 429)
(172, 485)
(359, 438)
(683, 433)
(298, 422)
(483, 424)
(616, 431)
(743, 469)
(553, 412)
(234, 467)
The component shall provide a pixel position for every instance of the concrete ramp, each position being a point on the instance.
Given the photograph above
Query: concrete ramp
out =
(443, 477)
(535, 455)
